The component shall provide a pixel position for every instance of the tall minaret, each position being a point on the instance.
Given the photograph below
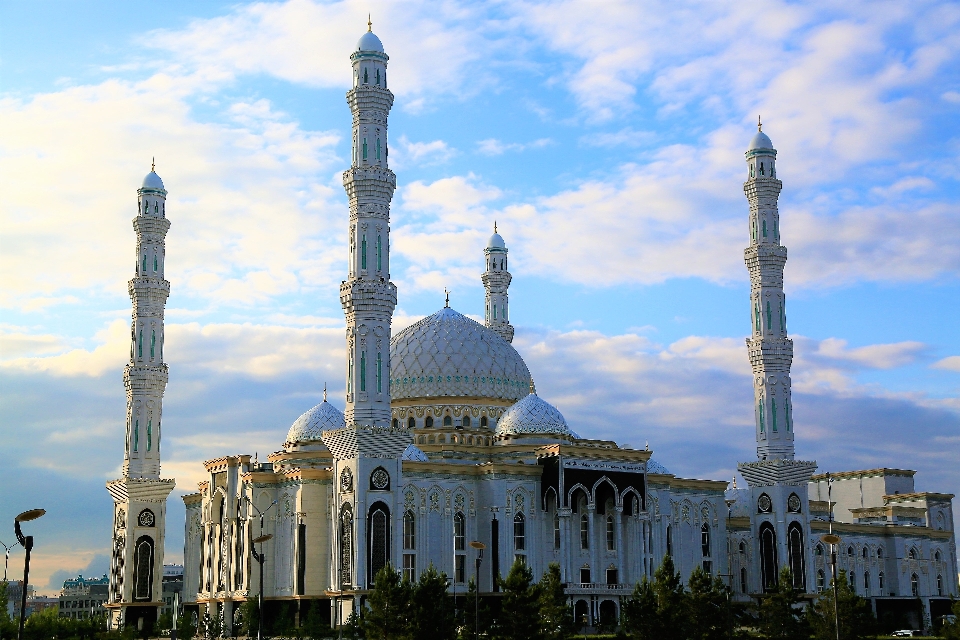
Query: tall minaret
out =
(367, 295)
(769, 348)
(140, 495)
(496, 280)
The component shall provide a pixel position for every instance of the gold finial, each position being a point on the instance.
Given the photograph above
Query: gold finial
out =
(369, 23)
(533, 387)
(324, 391)
(447, 303)
(153, 163)
(734, 482)
(494, 226)
(759, 125)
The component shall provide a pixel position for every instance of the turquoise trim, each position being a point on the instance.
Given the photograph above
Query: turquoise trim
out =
(760, 152)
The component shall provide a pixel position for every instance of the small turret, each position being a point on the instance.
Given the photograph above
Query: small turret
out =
(496, 281)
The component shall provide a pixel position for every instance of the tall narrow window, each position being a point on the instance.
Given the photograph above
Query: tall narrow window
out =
(764, 228)
(669, 542)
(494, 312)
(915, 585)
(519, 532)
(760, 410)
(460, 568)
(821, 580)
(866, 583)
(411, 422)
(786, 420)
(773, 412)
(350, 374)
(379, 539)
(410, 567)
(611, 534)
(143, 268)
(149, 435)
(378, 148)
(769, 318)
(346, 546)
(140, 344)
(366, 76)
(783, 319)
(459, 532)
(136, 435)
(939, 585)
(379, 373)
(556, 531)
(364, 148)
(143, 569)
(584, 531)
(756, 316)
(363, 371)
(768, 557)
(155, 263)
(363, 252)
(743, 580)
(378, 77)
(409, 531)
(153, 342)
(705, 540)
(761, 173)
(379, 253)
(796, 556)
(880, 581)
(776, 229)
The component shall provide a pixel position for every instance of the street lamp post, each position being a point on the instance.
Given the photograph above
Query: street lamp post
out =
(6, 561)
(479, 546)
(27, 543)
(833, 540)
(259, 557)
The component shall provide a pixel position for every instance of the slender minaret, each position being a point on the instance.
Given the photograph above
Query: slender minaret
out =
(140, 495)
(769, 348)
(496, 280)
(367, 295)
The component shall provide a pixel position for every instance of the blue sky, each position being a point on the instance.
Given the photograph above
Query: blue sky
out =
(606, 140)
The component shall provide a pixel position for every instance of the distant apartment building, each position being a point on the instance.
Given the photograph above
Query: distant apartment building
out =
(83, 597)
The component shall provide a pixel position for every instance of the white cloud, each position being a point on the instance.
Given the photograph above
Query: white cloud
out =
(494, 147)
(626, 137)
(420, 153)
(950, 363)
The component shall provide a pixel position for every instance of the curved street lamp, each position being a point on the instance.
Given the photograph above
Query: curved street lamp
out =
(6, 560)
(27, 543)
(259, 557)
(479, 546)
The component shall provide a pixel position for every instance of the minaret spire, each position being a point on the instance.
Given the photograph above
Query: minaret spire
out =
(769, 348)
(140, 495)
(496, 281)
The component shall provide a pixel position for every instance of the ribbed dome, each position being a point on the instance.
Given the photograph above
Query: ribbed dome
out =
(414, 453)
(655, 467)
(448, 354)
(369, 42)
(152, 181)
(309, 426)
(760, 141)
(533, 415)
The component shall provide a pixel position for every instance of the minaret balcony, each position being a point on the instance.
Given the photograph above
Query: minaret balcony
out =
(368, 295)
(151, 225)
(762, 188)
(369, 97)
(369, 182)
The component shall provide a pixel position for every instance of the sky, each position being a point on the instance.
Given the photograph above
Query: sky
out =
(606, 140)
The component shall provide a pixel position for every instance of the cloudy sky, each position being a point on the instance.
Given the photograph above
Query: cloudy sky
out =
(605, 138)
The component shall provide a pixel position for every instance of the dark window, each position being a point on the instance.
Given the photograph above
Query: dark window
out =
(460, 569)
(460, 533)
(483, 421)
(768, 557)
(428, 422)
(611, 534)
(612, 576)
(669, 542)
(396, 423)
(519, 532)
(584, 531)
(705, 541)
(411, 422)
(585, 575)
(821, 580)
(447, 421)
(743, 580)
(379, 539)
(143, 569)
(466, 421)
(915, 586)
(409, 530)
(795, 550)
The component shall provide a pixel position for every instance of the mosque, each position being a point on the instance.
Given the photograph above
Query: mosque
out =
(446, 455)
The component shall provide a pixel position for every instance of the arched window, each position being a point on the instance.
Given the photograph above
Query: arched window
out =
(366, 77)
(939, 585)
(153, 343)
(378, 539)
(880, 581)
(466, 421)
(584, 531)
(821, 580)
(936, 555)
(915, 585)
(519, 532)
(705, 540)
(743, 549)
(818, 550)
(866, 582)
(880, 553)
(136, 435)
(396, 423)
(447, 421)
(850, 552)
(143, 268)
(363, 371)
(364, 148)
(378, 148)
(460, 532)
(149, 435)
(761, 173)
(483, 421)
(143, 569)
(428, 422)
(611, 534)
(155, 263)
(913, 553)
(140, 344)
(411, 422)
(378, 77)
(768, 557)
(760, 404)
(796, 552)
(379, 253)
(743, 580)
(669, 541)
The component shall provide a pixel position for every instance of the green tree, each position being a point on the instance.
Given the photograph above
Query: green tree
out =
(431, 614)
(165, 622)
(951, 630)
(389, 601)
(556, 615)
(712, 614)
(659, 609)
(314, 626)
(854, 613)
(7, 630)
(475, 609)
(519, 619)
(780, 613)
(187, 625)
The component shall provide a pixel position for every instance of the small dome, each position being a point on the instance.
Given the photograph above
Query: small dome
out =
(496, 242)
(655, 467)
(152, 181)
(760, 141)
(370, 42)
(533, 415)
(414, 453)
(309, 426)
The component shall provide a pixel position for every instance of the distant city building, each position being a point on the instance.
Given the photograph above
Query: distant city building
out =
(15, 594)
(171, 588)
(40, 603)
(444, 441)
(83, 597)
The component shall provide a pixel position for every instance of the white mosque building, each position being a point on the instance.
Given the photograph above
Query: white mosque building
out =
(444, 442)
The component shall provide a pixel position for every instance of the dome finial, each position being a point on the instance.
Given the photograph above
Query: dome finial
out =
(533, 387)
(447, 303)
(759, 124)
(153, 163)
(494, 226)
(369, 23)
(324, 391)
(734, 482)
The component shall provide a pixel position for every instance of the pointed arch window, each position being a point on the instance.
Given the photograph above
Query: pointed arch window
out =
(378, 77)
(459, 532)
(773, 413)
(669, 541)
(366, 76)
(136, 435)
(762, 173)
(584, 531)
(379, 539)
(752, 171)
(756, 316)
(363, 371)
(768, 557)
(764, 228)
(705, 540)
(519, 532)
(364, 148)
(866, 582)
(447, 421)
(915, 585)
(156, 263)
(411, 422)
(378, 148)
(346, 546)
(143, 267)
(484, 421)
(409, 530)
(143, 569)
(350, 374)
(149, 435)
(140, 344)
(796, 552)
(363, 252)
(379, 253)
(428, 422)
(760, 411)
(153, 342)
(611, 534)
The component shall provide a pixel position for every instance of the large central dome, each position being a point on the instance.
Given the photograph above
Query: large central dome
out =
(448, 354)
